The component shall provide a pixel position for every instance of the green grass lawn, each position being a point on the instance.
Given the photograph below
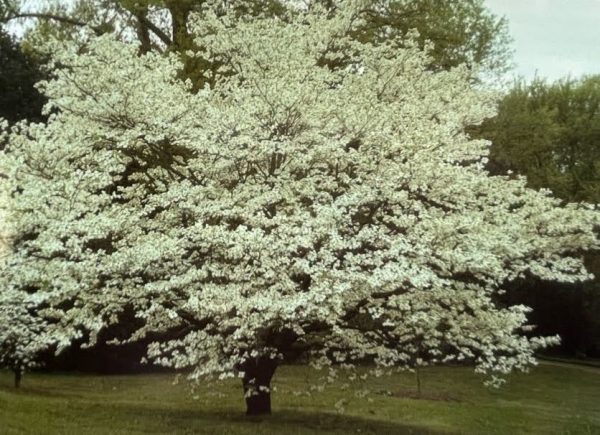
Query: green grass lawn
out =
(551, 399)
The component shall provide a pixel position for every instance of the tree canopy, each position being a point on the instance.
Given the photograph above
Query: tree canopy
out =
(294, 206)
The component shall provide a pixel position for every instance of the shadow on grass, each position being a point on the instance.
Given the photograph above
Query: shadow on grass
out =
(33, 392)
(407, 393)
(283, 421)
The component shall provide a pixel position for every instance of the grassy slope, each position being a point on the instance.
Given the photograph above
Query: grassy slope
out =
(551, 399)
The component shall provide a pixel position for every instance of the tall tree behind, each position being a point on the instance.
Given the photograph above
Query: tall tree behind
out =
(551, 134)
(462, 32)
(19, 72)
(158, 25)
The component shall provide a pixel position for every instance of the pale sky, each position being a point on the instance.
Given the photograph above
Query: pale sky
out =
(553, 37)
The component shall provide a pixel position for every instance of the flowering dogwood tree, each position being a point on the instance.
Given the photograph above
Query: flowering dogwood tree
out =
(293, 207)
(23, 333)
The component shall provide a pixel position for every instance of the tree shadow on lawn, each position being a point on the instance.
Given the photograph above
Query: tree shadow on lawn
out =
(407, 393)
(289, 421)
(36, 392)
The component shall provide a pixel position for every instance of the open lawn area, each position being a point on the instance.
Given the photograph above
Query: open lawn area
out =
(551, 399)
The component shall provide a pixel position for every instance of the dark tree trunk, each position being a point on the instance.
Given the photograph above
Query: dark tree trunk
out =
(143, 32)
(18, 376)
(258, 373)
(180, 12)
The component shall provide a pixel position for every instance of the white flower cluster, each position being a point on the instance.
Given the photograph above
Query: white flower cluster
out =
(22, 331)
(23, 334)
(322, 196)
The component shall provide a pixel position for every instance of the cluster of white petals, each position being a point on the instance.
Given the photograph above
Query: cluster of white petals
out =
(23, 333)
(322, 196)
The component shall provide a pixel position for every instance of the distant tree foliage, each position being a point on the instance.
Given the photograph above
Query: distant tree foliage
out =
(462, 32)
(550, 132)
(18, 74)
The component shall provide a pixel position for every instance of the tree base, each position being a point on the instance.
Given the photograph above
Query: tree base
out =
(258, 404)
(18, 377)
(257, 385)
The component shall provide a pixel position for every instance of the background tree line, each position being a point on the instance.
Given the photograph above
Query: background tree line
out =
(549, 132)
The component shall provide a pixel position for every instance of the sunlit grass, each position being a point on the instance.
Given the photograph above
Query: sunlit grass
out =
(551, 399)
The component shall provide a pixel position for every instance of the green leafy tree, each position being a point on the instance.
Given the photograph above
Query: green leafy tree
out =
(19, 72)
(551, 134)
(462, 32)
